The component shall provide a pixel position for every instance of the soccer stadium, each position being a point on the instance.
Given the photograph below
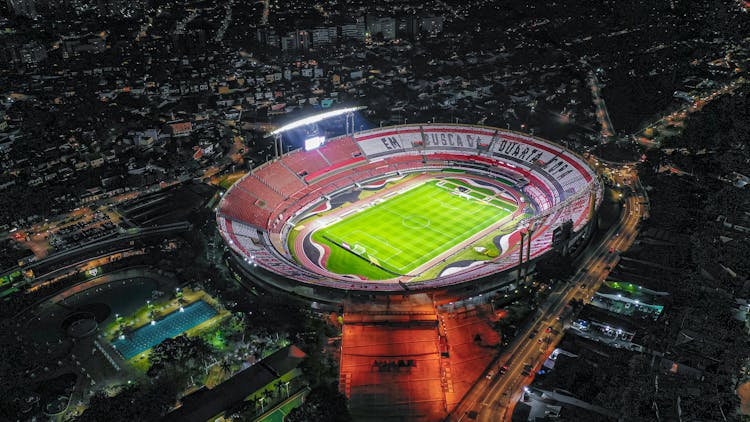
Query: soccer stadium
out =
(407, 208)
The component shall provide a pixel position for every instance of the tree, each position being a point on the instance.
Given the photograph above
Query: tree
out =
(324, 404)
(136, 402)
(179, 357)
(226, 366)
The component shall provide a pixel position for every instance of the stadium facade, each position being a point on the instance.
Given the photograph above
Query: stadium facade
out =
(258, 213)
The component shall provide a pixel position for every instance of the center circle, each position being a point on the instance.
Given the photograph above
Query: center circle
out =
(416, 222)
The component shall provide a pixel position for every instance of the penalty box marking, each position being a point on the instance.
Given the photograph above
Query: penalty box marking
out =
(486, 198)
(373, 251)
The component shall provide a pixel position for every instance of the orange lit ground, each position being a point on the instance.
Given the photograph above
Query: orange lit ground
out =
(413, 393)
(409, 330)
(468, 358)
(744, 392)
(405, 328)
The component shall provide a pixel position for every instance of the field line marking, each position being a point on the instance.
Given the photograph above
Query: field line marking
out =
(451, 239)
(393, 205)
(381, 241)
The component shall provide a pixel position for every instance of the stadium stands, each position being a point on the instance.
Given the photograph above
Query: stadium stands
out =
(390, 142)
(340, 150)
(280, 178)
(316, 176)
(261, 190)
(241, 206)
(244, 231)
(243, 238)
(403, 159)
(305, 162)
(538, 196)
(281, 190)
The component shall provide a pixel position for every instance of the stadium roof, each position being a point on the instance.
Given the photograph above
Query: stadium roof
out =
(206, 404)
(314, 119)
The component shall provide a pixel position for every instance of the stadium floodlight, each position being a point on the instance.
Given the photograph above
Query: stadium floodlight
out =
(314, 119)
(314, 142)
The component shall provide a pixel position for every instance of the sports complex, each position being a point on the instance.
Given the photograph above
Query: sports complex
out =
(407, 208)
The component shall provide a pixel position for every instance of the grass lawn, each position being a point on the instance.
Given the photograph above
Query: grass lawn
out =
(364, 194)
(470, 254)
(279, 414)
(228, 180)
(400, 234)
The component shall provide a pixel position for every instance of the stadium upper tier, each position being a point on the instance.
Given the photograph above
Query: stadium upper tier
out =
(254, 213)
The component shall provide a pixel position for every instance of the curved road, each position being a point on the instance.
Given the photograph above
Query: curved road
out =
(494, 400)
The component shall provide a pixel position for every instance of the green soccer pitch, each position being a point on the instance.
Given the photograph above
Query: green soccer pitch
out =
(398, 235)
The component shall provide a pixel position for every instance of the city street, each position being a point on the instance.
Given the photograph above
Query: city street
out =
(494, 400)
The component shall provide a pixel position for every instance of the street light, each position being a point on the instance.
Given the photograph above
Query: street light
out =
(261, 399)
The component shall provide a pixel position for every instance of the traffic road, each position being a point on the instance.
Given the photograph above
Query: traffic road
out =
(494, 399)
(602, 114)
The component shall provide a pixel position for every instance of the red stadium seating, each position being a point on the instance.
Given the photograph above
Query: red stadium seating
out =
(242, 206)
(258, 188)
(281, 179)
(305, 162)
(328, 178)
(304, 192)
(448, 157)
(333, 169)
(404, 162)
(409, 166)
(403, 159)
(340, 149)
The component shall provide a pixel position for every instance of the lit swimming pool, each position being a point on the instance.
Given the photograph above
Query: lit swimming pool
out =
(170, 326)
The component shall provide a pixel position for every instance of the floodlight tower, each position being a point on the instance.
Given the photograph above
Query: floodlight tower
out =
(520, 258)
(277, 134)
(350, 129)
(529, 233)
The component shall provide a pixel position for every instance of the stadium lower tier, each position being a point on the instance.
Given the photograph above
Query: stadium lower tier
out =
(446, 210)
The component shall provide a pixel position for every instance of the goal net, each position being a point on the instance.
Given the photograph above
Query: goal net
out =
(359, 249)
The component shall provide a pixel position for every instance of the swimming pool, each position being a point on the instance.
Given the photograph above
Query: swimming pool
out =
(170, 326)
